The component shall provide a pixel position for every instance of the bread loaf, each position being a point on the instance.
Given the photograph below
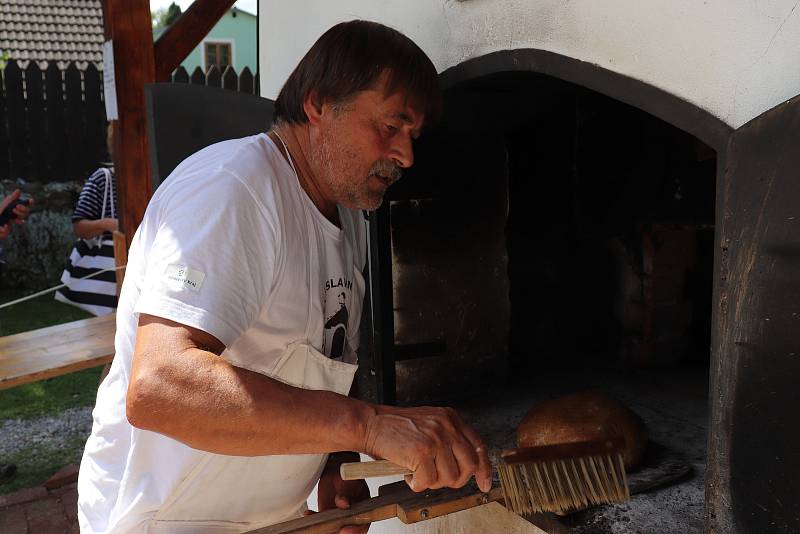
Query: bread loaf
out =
(585, 416)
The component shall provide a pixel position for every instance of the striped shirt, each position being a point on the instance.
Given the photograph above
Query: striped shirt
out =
(86, 286)
(90, 201)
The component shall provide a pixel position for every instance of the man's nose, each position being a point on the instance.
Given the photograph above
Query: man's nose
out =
(402, 151)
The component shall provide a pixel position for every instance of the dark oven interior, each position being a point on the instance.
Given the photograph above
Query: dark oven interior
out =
(548, 240)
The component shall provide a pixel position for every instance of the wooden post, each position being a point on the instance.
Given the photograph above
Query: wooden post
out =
(128, 24)
(120, 257)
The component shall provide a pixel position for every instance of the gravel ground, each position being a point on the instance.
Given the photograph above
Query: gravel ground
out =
(51, 432)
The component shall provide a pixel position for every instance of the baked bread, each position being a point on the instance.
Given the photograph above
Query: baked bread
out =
(586, 416)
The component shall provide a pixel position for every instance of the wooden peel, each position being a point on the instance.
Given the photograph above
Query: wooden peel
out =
(394, 500)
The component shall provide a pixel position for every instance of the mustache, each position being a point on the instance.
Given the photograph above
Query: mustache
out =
(387, 169)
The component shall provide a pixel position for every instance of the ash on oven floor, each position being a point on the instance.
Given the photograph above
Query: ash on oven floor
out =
(673, 404)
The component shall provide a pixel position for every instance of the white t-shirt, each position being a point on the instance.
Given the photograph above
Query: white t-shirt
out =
(232, 245)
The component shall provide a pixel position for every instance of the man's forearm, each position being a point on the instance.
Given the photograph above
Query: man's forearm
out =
(211, 405)
(180, 387)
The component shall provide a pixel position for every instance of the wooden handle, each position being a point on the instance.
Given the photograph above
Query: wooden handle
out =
(378, 468)
(330, 521)
(397, 501)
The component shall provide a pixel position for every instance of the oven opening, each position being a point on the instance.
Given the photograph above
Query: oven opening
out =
(551, 240)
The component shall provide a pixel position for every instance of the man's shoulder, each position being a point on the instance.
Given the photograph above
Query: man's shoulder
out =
(253, 160)
(231, 169)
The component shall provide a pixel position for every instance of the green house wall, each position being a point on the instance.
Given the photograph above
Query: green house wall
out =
(237, 27)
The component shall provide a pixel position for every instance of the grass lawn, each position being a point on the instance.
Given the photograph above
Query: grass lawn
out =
(37, 463)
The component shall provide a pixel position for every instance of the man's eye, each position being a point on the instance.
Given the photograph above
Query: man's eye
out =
(391, 128)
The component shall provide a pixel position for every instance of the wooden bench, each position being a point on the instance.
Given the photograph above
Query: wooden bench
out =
(56, 350)
(65, 348)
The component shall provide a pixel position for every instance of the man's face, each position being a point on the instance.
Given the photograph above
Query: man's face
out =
(359, 148)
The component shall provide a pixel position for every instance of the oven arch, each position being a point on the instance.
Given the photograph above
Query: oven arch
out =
(657, 102)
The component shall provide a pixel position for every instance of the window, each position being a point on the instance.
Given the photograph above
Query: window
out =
(218, 54)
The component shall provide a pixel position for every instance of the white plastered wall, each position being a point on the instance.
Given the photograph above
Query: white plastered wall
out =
(733, 58)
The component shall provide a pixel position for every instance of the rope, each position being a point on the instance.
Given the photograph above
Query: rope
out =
(46, 291)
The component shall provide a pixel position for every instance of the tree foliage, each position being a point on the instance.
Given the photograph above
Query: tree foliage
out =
(166, 15)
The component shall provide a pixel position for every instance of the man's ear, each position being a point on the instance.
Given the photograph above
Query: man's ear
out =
(313, 107)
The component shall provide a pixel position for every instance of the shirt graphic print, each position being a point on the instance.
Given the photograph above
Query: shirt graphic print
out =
(338, 293)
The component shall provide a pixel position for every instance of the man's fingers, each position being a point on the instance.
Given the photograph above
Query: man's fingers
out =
(424, 476)
(341, 501)
(448, 470)
(467, 459)
(483, 476)
(435, 443)
(483, 473)
(476, 460)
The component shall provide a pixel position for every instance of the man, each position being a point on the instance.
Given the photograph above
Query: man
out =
(220, 409)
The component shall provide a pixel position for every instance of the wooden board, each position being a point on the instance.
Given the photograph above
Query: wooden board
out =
(395, 501)
(56, 350)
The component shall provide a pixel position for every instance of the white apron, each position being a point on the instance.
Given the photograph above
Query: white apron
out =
(268, 489)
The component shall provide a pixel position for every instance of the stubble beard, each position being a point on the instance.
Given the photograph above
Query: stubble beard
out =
(334, 161)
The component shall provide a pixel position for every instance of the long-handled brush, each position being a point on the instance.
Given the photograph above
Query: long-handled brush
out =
(551, 478)
(565, 477)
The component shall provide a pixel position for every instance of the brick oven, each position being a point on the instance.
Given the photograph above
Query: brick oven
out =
(610, 201)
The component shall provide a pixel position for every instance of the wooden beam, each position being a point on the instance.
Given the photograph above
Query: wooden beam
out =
(128, 24)
(179, 39)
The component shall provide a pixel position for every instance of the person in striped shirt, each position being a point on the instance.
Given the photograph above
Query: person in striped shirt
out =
(88, 219)
(90, 278)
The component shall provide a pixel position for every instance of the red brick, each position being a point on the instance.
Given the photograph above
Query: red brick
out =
(65, 475)
(64, 489)
(46, 516)
(49, 507)
(13, 521)
(22, 496)
(48, 525)
(69, 501)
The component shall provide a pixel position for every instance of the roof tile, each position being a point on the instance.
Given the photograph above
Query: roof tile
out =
(53, 30)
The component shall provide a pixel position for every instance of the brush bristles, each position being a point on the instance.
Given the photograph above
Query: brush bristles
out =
(562, 485)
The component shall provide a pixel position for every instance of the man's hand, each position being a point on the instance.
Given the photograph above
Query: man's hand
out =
(20, 211)
(333, 492)
(434, 443)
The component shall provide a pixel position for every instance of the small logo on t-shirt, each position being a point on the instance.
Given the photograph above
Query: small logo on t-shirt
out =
(337, 293)
(181, 276)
